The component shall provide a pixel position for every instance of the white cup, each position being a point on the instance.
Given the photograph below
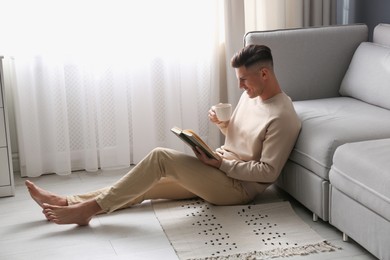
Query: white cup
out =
(223, 111)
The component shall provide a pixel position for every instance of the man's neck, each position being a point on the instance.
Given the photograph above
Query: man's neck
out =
(271, 91)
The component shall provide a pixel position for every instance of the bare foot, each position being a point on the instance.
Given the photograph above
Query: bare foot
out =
(42, 196)
(80, 214)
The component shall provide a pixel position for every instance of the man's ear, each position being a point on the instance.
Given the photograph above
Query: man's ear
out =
(264, 72)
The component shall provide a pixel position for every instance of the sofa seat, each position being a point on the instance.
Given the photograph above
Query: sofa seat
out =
(360, 194)
(329, 123)
(362, 171)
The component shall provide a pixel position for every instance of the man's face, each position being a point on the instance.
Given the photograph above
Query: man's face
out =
(251, 80)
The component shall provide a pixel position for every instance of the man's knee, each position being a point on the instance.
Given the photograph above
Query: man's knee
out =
(160, 151)
(171, 159)
(162, 155)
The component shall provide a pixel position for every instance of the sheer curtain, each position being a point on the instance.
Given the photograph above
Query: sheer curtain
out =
(98, 84)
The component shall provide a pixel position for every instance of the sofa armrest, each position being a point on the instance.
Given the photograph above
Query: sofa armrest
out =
(310, 63)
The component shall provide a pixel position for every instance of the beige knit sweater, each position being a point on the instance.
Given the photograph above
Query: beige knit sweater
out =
(259, 138)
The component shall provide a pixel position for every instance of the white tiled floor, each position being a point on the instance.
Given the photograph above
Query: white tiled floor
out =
(127, 234)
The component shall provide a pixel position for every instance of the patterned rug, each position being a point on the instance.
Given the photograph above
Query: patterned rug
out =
(199, 230)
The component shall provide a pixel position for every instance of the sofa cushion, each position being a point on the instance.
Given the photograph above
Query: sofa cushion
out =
(368, 75)
(329, 123)
(296, 53)
(381, 34)
(361, 171)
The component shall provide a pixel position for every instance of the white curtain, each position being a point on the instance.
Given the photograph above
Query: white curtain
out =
(98, 84)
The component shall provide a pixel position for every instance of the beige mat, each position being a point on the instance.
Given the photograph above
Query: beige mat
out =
(198, 230)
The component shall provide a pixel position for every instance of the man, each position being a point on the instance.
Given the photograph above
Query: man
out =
(259, 138)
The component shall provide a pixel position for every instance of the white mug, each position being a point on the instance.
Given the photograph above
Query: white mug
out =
(223, 111)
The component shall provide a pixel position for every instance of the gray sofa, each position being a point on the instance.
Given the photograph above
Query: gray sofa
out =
(340, 86)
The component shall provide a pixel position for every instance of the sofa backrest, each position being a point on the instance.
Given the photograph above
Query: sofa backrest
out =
(382, 34)
(368, 75)
(310, 63)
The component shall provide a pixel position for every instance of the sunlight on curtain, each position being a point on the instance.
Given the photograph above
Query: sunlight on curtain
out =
(98, 84)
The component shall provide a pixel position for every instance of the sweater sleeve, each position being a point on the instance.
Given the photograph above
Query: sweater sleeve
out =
(277, 145)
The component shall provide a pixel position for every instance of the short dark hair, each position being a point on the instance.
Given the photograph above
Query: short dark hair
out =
(252, 54)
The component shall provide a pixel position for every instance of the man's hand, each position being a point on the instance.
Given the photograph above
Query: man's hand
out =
(206, 160)
(213, 117)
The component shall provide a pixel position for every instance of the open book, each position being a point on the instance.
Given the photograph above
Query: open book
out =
(192, 139)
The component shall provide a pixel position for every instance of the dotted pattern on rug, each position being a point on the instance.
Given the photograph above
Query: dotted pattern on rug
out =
(263, 227)
(199, 230)
(214, 236)
(212, 232)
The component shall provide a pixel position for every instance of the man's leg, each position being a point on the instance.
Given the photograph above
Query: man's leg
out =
(204, 181)
(165, 189)
(83, 207)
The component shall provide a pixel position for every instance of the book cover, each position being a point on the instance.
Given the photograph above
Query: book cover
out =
(192, 139)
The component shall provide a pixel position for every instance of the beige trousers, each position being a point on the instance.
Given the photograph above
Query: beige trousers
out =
(168, 174)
